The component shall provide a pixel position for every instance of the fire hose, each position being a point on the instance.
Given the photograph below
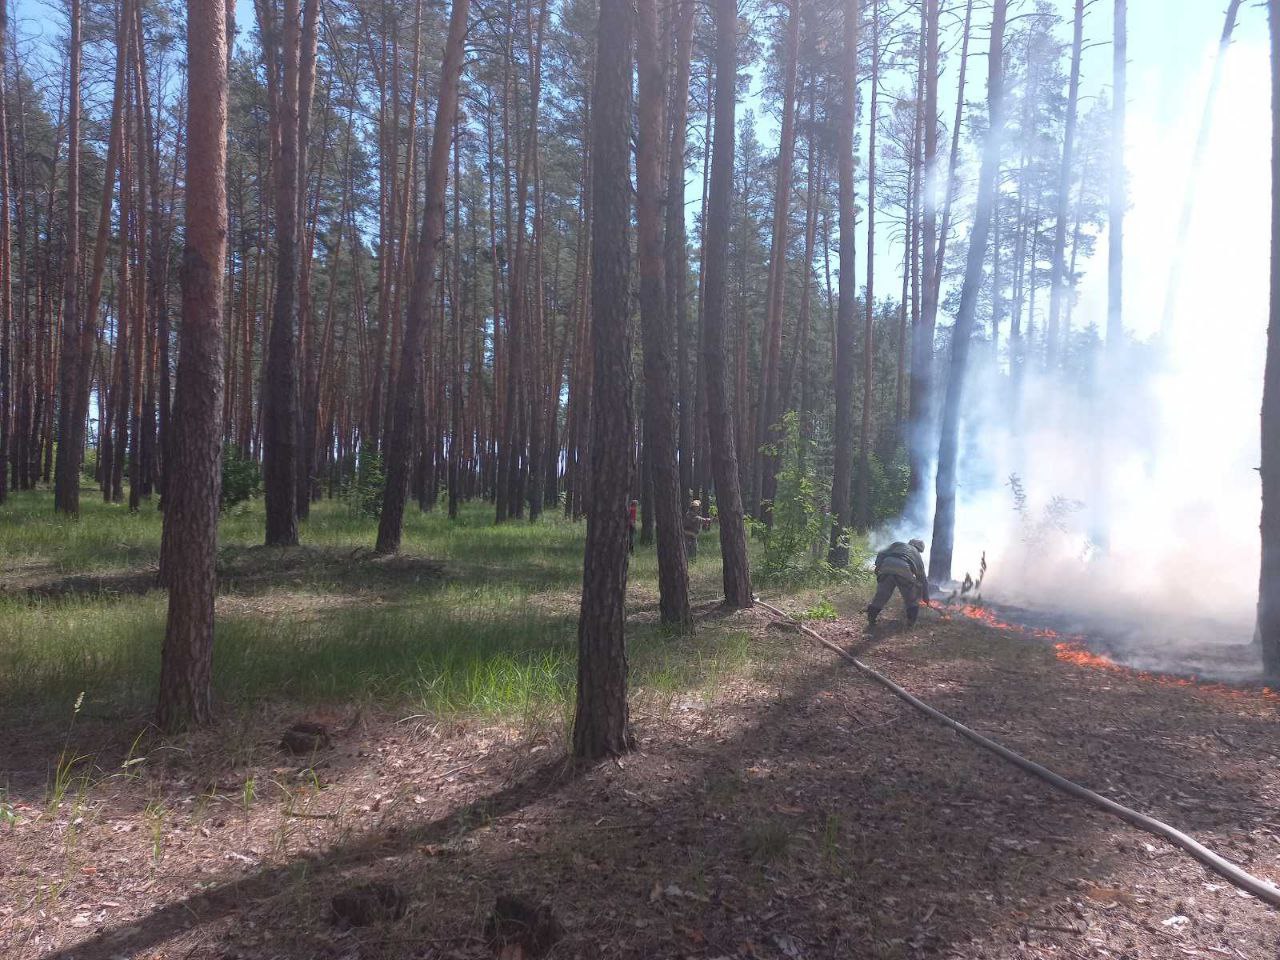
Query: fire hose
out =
(1245, 881)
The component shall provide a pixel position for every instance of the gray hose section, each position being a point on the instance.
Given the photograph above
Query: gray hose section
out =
(1247, 882)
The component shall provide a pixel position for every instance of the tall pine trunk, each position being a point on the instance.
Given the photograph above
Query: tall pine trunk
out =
(195, 449)
(6, 291)
(720, 426)
(944, 518)
(280, 372)
(921, 381)
(843, 370)
(601, 724)
(1269, 583)
(863, 505)
(771, 403)
(1060, 280)
(1118, 198)
(660, 420)
(70, 439)
(677, 266)
(408, 384)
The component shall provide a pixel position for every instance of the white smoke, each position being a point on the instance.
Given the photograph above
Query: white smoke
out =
(1173, 434)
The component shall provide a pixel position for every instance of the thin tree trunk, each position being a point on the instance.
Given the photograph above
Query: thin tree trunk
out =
(1177, 258)
(1119, 193)
(89, 327)
(953, 165)
(660, 419)
(409, 382)
(921, 384)
(113, 489)
(843, 367)
(67, 474)
(6, 290)
(677, 266)
(863, 509)
(944, 519)
(720, 426)
(195, 451)
(1269, 580)
(280, 372)
(1058, 288)
(800, 351)
(771, 405)
(305, 429)
(908, 264)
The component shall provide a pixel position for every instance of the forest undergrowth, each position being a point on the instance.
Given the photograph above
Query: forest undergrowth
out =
(471, 618)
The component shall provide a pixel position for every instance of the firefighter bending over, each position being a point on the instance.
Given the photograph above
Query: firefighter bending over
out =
(900, 566)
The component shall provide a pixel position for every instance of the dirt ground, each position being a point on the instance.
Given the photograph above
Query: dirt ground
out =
(800, 813)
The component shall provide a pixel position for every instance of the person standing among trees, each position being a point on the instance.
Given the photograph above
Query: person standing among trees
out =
(694, 524)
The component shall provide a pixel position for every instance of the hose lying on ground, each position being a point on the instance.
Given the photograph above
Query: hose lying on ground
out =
(1259, 888)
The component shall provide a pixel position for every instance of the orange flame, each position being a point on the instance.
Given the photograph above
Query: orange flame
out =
(983, 615)
(1072, 650)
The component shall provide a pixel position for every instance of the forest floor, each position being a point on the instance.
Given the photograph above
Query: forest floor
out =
(778, 806)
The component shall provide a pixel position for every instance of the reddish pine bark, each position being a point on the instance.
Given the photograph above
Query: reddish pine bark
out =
(677, 266)
(280, 372)
(195, 450)
(660, 419)
(771, 399)
(70, 435)
(6, 292)
(409, 381)
(720, 420)
(601, 724)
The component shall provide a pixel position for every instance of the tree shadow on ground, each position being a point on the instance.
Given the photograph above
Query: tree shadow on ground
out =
(288, 654)
(251, 570)
(824, 819)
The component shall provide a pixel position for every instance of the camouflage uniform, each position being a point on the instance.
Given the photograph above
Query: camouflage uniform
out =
(900, 567)
(692, 527)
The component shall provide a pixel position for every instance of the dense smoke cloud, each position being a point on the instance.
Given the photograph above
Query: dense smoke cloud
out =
(1155, 454)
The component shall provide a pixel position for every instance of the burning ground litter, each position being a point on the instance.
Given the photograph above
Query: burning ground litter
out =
(1078, 649)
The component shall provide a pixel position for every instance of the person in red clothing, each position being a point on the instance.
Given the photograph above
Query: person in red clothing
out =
(631, 525)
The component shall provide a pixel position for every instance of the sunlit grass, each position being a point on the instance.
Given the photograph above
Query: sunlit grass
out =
(474, 618)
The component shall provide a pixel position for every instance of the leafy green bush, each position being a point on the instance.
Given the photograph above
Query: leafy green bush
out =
(795, 547)
(824, 609)
(364, 487)
(241, 478)
(888, 485)
(89, 466)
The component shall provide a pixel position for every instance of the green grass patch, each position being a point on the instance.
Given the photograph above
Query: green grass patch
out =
(471, 618)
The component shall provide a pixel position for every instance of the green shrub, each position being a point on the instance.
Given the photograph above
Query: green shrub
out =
(241, 478)
(795, 548)
(888, 485)
(89, 466)
(824, 609)
(364, 488)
